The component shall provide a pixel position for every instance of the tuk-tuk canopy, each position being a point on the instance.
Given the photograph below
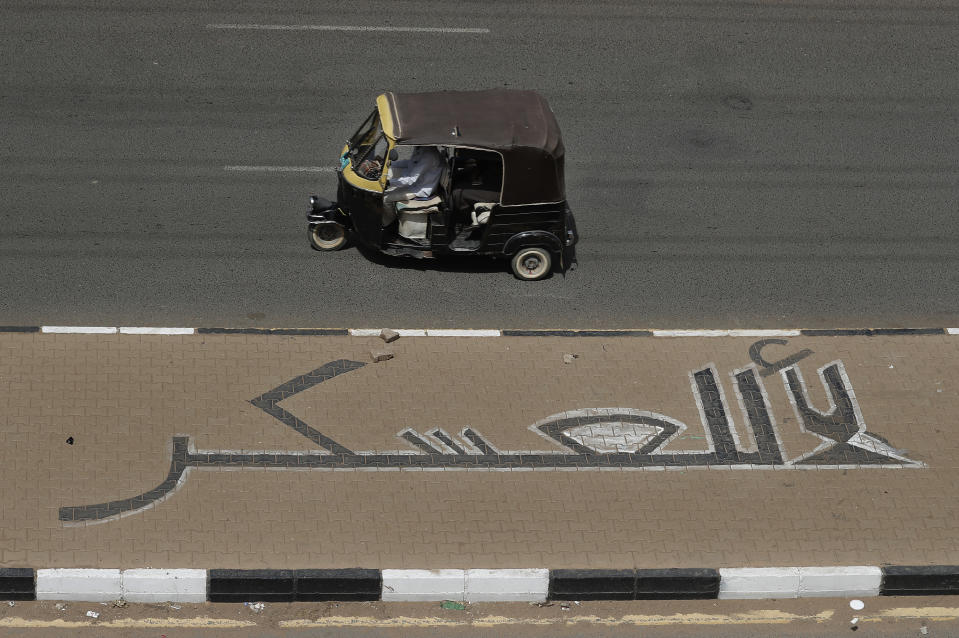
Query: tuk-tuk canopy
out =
(517, 124)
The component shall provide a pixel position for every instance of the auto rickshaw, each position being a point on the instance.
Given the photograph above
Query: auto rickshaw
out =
(453, 173)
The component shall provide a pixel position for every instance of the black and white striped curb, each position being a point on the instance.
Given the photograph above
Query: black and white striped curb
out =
(448, 332)
(472, 585)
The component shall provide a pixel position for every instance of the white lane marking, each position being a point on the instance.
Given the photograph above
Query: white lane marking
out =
(156, 331)
(333, 27)
(463, 333)
(952, 331)
(281, 169)
(100, 330)
(726, 333)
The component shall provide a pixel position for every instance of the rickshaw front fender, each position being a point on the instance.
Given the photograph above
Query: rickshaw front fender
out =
(533, 238)
(324, 211)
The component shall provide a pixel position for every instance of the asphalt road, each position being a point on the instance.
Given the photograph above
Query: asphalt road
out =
(730, 163)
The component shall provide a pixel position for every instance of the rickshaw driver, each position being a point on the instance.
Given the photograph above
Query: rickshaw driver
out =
(415, 178)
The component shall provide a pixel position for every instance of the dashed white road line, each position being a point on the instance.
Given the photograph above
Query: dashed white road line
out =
(281, 169)
(335, 27)
(726, 333)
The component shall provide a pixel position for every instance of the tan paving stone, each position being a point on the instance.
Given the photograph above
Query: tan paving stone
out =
(124, 397)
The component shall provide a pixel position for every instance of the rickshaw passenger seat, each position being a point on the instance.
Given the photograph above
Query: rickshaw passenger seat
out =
(418, 204)
(465, 198)
(414, 215)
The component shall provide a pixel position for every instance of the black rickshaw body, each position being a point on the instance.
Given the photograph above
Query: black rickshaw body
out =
(498, 189)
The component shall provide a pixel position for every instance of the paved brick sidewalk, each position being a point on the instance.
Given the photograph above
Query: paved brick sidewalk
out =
(586, 489)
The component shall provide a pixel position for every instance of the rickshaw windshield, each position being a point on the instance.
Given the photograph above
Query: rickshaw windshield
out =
(364, 137)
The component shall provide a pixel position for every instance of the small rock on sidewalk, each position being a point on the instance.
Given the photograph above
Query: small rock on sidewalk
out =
(380, 355)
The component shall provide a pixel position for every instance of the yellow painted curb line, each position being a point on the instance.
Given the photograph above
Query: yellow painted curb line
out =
(770, 616)
(926, 613)
(128, 623)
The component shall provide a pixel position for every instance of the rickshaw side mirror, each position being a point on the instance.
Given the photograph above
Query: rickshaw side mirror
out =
(394, 155)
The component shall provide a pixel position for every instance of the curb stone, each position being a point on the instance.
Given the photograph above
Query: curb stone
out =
(474, 585)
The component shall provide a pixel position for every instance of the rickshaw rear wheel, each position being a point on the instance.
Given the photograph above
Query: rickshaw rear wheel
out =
(530, 264)
(327, 237)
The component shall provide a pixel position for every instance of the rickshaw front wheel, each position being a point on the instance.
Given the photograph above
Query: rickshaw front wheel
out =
(328, 236)
(530, 264)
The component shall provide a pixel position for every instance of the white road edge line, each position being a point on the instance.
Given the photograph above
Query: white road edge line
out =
(281, 169)
(726, 333)
(332, 27)
(463, 333)
(952, 331)
(85, 330)
(431, 332)
(156, 331)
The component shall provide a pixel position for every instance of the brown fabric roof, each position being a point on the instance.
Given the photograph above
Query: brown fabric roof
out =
(518, 124)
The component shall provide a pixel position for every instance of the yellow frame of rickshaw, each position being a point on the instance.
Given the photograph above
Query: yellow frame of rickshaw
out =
(388, 127)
